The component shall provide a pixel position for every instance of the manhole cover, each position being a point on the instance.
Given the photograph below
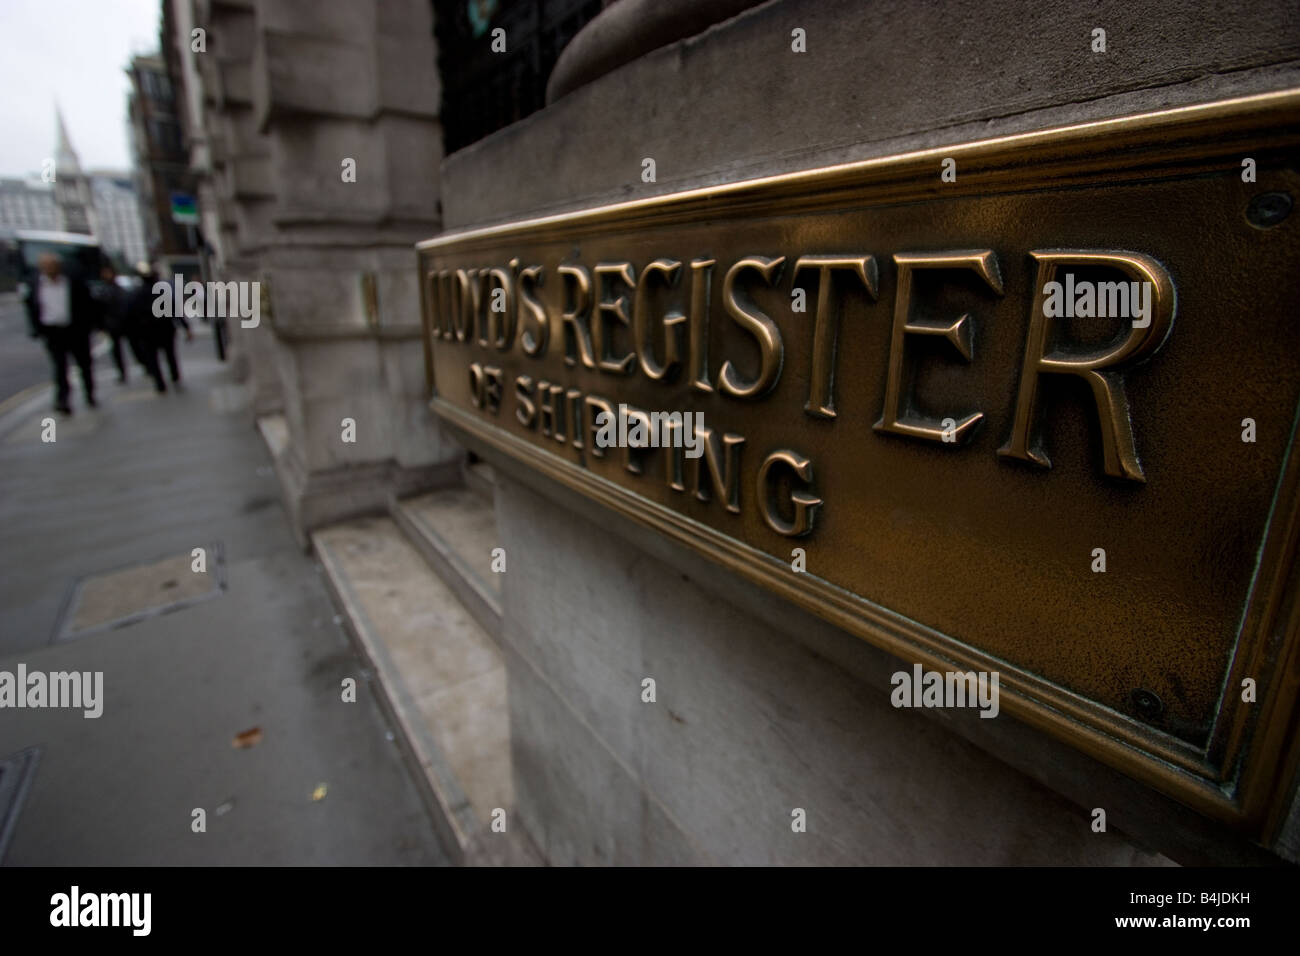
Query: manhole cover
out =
(116, 598)
(16, 772)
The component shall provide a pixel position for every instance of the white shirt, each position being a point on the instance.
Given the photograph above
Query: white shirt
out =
(55, 295)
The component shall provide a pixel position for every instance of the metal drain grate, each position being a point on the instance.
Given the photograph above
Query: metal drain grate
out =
(113, 599)
(16, 772)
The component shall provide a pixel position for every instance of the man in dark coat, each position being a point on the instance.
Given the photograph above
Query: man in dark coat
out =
(162, 331)
(153, 336)
(113, 303)
(62, 312)
(140, 324)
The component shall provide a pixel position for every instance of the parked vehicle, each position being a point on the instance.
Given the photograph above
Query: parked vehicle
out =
(21, 249)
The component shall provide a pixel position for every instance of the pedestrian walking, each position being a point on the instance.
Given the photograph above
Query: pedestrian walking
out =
(62, 313)
(154, 335)
(113, 305)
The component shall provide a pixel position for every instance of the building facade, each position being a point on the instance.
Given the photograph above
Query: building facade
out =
(162, 177)
(117, 217)
(621, 658)
(27, 204)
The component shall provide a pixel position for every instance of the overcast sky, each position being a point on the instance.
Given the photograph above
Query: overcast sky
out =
(72, 52)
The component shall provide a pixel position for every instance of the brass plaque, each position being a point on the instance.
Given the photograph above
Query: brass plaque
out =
(1026, 405)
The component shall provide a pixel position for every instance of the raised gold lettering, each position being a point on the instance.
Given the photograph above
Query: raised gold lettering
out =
(826, 325)
(723, 462)
(602, 335)
(672, 323)
(770, 348)
(701, 286)
(526, 408)
(536, 332)
(805, 504)
(1102, 369)
(573, 320)
(900, 416)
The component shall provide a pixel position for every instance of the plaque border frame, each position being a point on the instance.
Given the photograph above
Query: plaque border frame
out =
(1258, 745)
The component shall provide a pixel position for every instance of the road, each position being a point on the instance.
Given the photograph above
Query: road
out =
(23, 360)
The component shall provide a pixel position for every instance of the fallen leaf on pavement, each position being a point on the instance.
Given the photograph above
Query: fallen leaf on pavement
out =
(249, 738)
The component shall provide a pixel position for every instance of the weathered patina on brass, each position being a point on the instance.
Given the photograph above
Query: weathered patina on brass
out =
(889, 380)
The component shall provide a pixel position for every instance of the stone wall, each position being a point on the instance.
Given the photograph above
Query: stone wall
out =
(299, 92)
(749, 724)
(762, 709)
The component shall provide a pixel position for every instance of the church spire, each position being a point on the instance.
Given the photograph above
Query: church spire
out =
(64, 154)
(73, 204)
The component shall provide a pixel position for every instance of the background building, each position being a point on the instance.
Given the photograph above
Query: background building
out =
(27, 204)
(99, 202)
(521, 691)
(117, 217)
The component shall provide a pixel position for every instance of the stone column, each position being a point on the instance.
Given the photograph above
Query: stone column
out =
(239, 185)
(345, 97)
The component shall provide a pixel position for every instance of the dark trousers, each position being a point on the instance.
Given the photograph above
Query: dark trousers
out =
(119, 358)
(64, 342)
(148, 359)
(147, 346)
(167, 345)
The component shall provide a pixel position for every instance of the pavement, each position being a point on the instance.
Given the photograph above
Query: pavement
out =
(222, 685)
